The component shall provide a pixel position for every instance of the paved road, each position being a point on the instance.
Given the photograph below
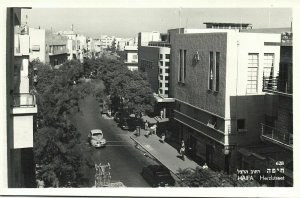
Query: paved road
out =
(126, 161)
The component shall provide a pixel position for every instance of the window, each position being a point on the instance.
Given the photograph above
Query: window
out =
(160, 85)
(166, 84)
(167, 63)
(161, 77)
(167, 71)
(36, 48)
(269, 65)
(241, 125)
(134, 56)
(166, 92)
(161, 63)
(184, 65)
(160, 71)
(167, 56)
(160, 56)
(217, 71)
(211, 71)
(180, 67)
(252, 73)
(166, 77)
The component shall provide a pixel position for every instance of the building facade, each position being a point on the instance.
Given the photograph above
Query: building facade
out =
(131, 57)
(37, 44)
(17, 165)
(56, 49)
(216, 80)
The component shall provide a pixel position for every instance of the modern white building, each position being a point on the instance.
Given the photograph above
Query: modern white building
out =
(131, 57)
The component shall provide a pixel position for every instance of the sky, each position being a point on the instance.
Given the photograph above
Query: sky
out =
(127, 22)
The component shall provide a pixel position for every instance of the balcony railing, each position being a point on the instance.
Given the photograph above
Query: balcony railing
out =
(24, 100)
(276, 136)
(274, 84)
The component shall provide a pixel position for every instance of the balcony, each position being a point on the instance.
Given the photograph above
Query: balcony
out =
(24, 103)
(203, 128)
(278, 137)
(276, 85)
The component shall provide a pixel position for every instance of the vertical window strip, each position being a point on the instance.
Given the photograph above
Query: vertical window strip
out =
(180, 67)
(217, 71)
(184, 66)
(211, 71)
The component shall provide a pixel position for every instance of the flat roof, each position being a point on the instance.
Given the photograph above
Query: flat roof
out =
(220, 23)
(268, 30)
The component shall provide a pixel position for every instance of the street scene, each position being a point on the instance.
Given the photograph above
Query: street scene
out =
(186, 97)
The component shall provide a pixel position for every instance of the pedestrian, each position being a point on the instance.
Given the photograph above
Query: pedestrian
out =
(146, 125)
(182, 150)
(163, 136)
(182, 143)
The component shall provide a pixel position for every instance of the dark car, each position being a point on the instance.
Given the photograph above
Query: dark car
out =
(127, 124)
(158, 175)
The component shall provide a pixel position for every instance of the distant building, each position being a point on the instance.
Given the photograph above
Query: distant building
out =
(213, 25)
(56, 49)
(131, 57)
(106, 41)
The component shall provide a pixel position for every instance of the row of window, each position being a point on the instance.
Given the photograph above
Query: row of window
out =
(253, 65)
(167, 71)
(162, 77)
(167, 56)
(162, 63)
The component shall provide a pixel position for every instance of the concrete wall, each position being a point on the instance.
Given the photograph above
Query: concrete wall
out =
(37, 37)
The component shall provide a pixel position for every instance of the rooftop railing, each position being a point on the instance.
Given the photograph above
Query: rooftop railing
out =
(275, 84)
(277, 136)
(24, 100)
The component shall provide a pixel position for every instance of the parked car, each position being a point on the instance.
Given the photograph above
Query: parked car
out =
(158, 175)
(127, 124)
(96, 138)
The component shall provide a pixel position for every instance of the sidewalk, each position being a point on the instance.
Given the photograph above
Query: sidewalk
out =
(163, 152)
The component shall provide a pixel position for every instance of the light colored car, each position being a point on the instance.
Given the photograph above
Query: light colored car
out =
(96, 138)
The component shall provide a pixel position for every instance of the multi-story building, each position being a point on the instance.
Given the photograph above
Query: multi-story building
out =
(56, 48)
(18, 114)
(106, 41)
(131, 57)
(155, 61)
(216, 80)
(276, 149)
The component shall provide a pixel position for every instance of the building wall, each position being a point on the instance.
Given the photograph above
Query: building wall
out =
(195, 89)
(37, 38)
(148, 62)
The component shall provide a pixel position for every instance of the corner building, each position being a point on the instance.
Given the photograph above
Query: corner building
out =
(216, 79)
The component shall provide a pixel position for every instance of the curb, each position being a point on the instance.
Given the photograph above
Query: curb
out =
(153, 155)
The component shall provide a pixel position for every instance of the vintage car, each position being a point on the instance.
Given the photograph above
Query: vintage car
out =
(158, 176)
(96, 138)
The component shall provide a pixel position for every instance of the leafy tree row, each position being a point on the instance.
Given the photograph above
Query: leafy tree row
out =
(128, 91)
(56, 142)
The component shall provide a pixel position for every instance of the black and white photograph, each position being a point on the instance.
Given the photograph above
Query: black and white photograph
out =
(143, 97)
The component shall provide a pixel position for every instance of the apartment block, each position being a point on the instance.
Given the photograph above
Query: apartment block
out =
(17, 165)
(37, 44)
(56, 49)
(217, 80)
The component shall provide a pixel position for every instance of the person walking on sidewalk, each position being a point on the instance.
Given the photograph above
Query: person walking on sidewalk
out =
(163, 136)
(182, 149)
